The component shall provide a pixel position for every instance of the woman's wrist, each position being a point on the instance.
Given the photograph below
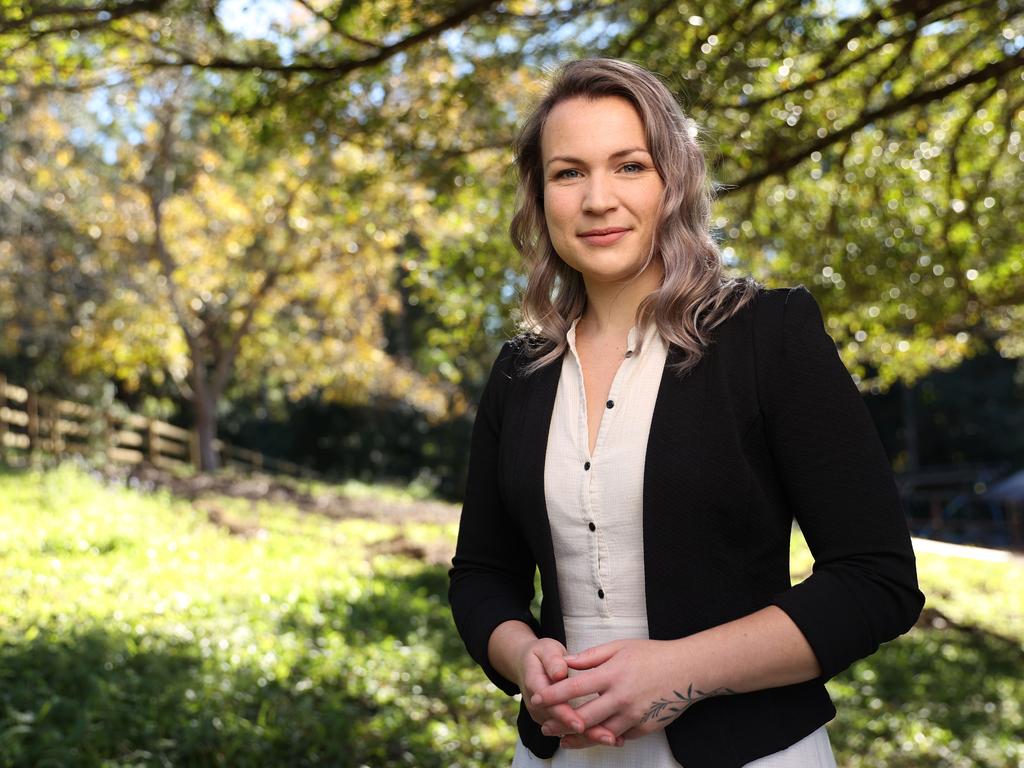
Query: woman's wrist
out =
(762, 650)
(695, 674)
(507, 646)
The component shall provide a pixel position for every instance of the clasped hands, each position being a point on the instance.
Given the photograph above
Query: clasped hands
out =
(632, 680)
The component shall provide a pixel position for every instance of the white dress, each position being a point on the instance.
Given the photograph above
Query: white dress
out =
(596, 527)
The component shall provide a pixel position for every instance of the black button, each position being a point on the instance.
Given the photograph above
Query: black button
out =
(600, 593)
(586, 465)
(610, 403)
(592, 527)
(629, 353)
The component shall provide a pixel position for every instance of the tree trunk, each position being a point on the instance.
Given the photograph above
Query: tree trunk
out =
(910, 427)
(204, 404)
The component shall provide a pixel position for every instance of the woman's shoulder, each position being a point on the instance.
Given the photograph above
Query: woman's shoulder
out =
(767, 315)
(524, 347)
(770, 305)
(747, 302)
(780, 295)
(516, 352)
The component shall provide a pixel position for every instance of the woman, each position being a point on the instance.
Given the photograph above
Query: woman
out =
(646, 443)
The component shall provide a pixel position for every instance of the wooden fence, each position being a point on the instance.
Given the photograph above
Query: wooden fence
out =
(34, 425)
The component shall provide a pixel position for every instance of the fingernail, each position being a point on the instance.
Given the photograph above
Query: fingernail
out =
(545, 731)
(570, 657)
(536, 699)
(578, 727)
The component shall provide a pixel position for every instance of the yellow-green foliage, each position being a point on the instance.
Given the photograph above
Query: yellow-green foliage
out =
(134, 631)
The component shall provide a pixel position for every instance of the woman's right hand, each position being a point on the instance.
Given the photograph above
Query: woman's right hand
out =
(541, 664)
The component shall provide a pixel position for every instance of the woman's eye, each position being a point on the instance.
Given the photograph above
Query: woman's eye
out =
(562, 174)
(635, 166)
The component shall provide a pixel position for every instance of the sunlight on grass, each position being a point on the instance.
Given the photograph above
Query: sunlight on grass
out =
(137, 630)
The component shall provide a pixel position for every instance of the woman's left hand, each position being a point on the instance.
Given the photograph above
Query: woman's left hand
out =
(642, 686)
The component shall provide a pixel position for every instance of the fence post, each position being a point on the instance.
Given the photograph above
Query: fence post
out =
(152, 445)
(56, 441)
(3, 419)
(193, 450)
(32, 411)
(106, 435)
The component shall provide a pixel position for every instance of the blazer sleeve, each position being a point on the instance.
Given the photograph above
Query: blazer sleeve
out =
(836, 477)
(492, 575)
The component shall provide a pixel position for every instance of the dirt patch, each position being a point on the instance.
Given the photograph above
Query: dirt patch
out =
(273, 488)
(434, 553)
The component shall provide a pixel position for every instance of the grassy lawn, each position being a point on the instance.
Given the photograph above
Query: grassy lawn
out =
(137, 630)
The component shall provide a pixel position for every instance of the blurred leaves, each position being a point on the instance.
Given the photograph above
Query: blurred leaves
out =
(870, 153)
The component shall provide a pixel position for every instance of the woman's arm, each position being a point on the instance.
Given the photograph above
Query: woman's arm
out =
(837, 479)
(491, 578)
(645, 684)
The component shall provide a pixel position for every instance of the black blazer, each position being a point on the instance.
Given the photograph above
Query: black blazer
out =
(767, 427)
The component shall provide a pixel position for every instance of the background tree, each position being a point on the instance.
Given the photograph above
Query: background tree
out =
(869, 152)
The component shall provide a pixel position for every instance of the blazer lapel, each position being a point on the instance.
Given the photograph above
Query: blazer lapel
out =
(539, 396)
(672, 491)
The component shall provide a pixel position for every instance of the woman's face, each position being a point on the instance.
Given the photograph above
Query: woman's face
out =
(601, 189)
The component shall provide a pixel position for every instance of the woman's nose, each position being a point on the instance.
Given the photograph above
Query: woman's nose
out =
(599, 196)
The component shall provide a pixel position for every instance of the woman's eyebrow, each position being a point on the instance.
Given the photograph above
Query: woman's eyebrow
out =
(612, 156)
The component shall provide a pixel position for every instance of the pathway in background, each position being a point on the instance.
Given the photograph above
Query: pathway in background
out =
(973, 553)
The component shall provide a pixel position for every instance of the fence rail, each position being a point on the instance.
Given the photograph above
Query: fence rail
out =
(33, 424)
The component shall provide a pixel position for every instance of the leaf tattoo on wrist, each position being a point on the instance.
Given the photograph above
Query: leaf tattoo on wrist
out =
(670, 709)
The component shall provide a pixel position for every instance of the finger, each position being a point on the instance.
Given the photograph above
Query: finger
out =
(598, 733)
(565, 715)
(555, 728)
(601, 734)
(535, 678)
(601, 709)
(618, 725)
(573, 742)
(633, 733)
(568, 689)
(577, 742)
(591, 657)
(555, 666)
(581, 741)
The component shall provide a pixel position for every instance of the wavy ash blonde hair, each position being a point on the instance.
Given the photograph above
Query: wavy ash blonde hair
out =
(693, 297)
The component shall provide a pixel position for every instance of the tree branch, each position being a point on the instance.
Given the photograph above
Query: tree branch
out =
(622, 47)
(337, 69)
(996, 69)
(336, 27)
(112, 10)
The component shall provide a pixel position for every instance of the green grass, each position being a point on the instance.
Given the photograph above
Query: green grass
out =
(948, 695)
(133, 631)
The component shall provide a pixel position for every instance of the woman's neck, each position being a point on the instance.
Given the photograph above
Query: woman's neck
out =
(611, 307)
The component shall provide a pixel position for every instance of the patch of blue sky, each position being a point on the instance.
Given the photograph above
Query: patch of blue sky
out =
(376, 94)
(270, 20)
(847, 8)
(253, 19)
(1013, 45)
(119, 121)
(589, 30)
(945, 26)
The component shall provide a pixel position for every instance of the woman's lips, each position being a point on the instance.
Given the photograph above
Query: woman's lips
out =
(606, 238)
